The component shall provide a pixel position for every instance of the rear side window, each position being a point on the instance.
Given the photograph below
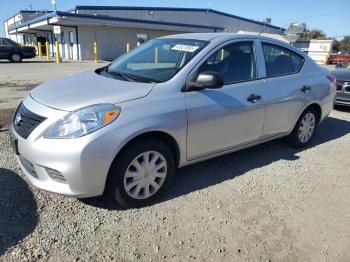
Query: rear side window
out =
(6, 42)
(234, 62)
(281, 61)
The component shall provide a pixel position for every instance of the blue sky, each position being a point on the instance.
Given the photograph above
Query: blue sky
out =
(331, 16)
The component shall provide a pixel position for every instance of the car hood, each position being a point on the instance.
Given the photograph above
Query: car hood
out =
(86, 89)
(341, 74)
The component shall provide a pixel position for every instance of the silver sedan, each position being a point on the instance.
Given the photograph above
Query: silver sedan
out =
(123, 129)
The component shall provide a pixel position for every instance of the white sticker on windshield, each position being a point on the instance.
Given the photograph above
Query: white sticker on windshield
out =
(185, 48)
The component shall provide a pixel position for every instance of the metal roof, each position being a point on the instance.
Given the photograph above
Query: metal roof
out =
(208, 10)
(110, 18)
(74, 13)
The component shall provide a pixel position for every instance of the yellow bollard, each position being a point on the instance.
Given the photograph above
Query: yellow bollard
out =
(127, 47)
(222, 54)
(95, 52)
(156, 55)
(58, 58)
(48, 55)
(40, 53)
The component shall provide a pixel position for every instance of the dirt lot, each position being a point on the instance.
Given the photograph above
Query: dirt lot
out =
(267, 203)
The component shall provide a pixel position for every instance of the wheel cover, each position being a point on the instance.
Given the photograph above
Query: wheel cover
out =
(16, 57)
(145, 175)
(306, 127)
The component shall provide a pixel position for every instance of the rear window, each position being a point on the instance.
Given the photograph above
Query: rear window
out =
(281, 61)
(6, 41)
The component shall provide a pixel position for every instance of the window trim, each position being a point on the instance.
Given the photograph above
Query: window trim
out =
(222, 45)
(262, 42)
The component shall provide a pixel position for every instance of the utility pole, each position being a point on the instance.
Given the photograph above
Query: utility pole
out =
(53, 2)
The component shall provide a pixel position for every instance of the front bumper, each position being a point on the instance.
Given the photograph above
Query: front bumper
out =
(83, 162)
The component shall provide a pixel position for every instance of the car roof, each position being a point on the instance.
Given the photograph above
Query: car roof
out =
(211, 36)
(205, 36)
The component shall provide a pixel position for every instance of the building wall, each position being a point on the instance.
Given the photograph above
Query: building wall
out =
(111, 41)
(231, 24)
(69, 49)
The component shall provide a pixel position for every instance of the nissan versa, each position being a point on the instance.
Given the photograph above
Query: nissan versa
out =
(171, 102)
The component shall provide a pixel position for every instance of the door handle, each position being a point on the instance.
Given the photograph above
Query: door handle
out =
(253, 98)
(305, 88)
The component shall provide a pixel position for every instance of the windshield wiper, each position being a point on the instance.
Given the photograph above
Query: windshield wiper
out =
(139, 78)
(127, 76)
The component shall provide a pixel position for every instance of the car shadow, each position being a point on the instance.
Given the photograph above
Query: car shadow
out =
(215, 171)
(31, 61)
(18, 210)
(345, 109)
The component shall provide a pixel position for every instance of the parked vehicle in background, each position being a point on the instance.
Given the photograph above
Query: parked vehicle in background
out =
(344, 65)
(15, 52)
(338, 58)
(343, 85)
(171, 102)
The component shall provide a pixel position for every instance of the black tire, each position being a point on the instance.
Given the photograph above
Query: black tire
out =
(293, 138)
(16, 58)
(115, 183)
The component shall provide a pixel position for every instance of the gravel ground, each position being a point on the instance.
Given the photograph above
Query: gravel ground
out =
(267, 203)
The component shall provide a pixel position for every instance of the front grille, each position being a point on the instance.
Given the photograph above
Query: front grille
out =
(25, 121)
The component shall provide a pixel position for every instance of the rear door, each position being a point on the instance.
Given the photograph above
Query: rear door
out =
(221, 119)
(3, 52)
(7, 47)
(287, 91)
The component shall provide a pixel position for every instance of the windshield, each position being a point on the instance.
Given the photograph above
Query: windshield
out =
(156, 61)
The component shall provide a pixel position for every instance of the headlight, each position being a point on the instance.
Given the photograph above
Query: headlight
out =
(83, 121)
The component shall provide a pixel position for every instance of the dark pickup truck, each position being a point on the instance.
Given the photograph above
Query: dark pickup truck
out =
(15, 52)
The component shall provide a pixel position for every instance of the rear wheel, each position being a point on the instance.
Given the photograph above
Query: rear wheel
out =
(16, 58)
(140, 173)
(304, 129)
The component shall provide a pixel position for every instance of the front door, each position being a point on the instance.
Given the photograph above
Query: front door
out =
(221, 119)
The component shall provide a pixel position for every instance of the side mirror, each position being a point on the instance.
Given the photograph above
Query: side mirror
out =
(210, 80)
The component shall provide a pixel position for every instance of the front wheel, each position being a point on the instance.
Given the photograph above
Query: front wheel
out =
(140, 173)
(304, 129)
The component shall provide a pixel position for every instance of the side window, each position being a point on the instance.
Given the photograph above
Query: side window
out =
(281, 61)
(7, 42)
(0, 41)
(235, 62)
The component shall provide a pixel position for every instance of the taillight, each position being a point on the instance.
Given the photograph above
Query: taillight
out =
(332, 79)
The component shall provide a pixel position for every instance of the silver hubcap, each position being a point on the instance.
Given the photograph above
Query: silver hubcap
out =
(16, 57)
(145, 175)
(307, 127)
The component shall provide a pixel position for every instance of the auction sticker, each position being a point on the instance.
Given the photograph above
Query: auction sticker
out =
(185, 48)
